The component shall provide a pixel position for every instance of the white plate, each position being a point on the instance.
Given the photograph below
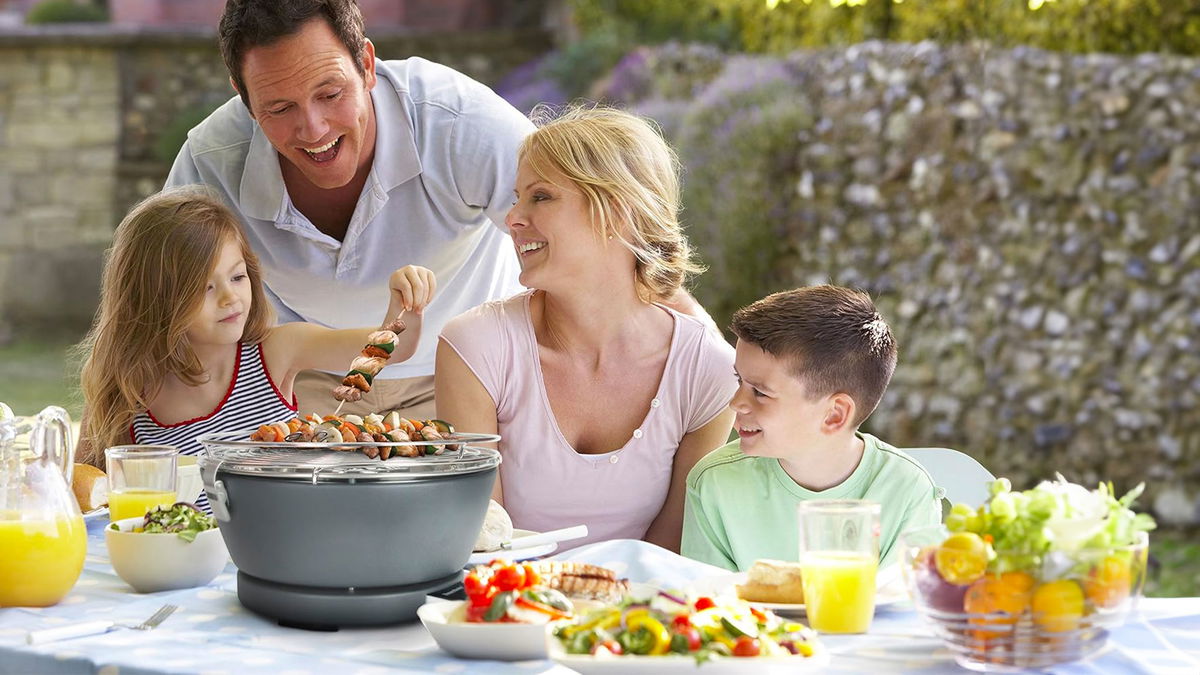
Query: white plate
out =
(500, 641)
(624, 665)
(96, 513)
(514, 554)
(723, 585)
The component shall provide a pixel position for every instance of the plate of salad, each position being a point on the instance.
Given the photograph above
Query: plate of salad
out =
(671, 633)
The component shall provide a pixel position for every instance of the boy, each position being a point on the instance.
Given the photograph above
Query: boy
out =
(812, 363)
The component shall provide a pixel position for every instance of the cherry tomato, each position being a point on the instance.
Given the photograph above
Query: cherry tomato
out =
(474, 584)
(532, 578)
(509, 578)
(704, 602)
(483, 598)
(746, 646)
(475, 613)
(693, 637)
(681, 621)
(611, 645)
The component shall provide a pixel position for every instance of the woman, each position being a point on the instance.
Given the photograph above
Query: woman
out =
(604, 397)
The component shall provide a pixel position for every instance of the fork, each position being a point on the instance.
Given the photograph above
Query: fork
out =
(36, 637)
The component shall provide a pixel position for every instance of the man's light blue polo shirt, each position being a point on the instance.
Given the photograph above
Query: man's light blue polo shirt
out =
(440, 186)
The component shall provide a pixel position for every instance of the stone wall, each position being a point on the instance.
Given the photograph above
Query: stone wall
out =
(83, 113)
(59, 130)
(1027, 220)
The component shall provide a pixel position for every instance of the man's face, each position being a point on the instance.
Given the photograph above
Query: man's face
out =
(775, 416)
(313, 104)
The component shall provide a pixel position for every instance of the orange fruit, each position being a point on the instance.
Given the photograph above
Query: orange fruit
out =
(1009, 592)
(961, 558)
(1109, 581)
(1058, 605)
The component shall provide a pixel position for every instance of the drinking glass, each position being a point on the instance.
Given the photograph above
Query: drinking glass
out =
(839, 555)
(140, 477)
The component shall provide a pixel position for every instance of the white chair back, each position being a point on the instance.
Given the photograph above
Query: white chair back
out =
(961, 477)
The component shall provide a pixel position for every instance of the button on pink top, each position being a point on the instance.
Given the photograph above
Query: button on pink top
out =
(547, 485)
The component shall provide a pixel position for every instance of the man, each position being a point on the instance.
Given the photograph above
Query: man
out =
(344, 168)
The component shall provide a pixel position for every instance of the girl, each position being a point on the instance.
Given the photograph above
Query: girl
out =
(183, 343)
(604, 396)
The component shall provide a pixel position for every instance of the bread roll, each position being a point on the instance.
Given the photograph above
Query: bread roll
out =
(90, 486)
(772, 581)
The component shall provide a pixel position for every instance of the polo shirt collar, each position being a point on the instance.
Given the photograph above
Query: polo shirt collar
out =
(396, 158)
(262, 193)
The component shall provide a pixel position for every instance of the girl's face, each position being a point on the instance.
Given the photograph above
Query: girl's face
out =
(227, 298)
(552, 231)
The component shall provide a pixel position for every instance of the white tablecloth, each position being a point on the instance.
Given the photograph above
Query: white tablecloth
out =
(213, 633)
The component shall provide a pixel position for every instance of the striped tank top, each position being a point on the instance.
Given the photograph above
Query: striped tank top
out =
(251, 400)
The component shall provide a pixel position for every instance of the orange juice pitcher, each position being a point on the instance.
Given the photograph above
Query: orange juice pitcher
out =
(42, 534)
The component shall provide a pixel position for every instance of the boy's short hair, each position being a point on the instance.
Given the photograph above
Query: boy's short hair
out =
(833, 337)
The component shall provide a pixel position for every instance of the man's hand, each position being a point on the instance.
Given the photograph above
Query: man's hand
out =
(413, 287)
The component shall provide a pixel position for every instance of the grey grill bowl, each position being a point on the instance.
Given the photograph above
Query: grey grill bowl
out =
(361, 534)
(331, 538)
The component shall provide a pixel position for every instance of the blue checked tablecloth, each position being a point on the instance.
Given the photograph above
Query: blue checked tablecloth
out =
(213, 633)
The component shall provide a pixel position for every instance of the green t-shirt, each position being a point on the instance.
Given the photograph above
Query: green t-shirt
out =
(740, 508)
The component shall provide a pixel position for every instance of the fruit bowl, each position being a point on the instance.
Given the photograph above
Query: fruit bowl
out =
(1027, 596)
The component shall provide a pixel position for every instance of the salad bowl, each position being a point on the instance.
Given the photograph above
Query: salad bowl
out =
(162, 561)
(1029, 579)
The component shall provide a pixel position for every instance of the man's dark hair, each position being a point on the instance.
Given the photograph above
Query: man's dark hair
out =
(246, 24)
(832, 337)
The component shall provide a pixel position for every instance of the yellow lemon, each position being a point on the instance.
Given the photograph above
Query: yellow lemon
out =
(961, 558)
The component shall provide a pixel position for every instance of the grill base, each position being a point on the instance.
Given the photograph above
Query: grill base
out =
(326, 609)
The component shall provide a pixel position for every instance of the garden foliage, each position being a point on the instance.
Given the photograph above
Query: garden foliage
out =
(64, 11)
(1116, 26)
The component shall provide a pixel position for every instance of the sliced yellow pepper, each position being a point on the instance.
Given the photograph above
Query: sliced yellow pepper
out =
(662, 638)
(601, 621)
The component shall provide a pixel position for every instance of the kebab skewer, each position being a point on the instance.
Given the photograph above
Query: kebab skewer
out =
(373, 428)
(369, 362)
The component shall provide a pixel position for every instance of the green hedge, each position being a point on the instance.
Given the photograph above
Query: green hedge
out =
(1116, 26)
(64, 11)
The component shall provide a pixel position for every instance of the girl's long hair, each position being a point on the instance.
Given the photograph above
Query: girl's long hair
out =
(154, 281)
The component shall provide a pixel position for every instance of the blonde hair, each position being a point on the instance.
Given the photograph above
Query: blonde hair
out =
(153, 284)
(630, 179)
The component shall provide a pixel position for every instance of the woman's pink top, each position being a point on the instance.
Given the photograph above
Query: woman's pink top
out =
(547, 485)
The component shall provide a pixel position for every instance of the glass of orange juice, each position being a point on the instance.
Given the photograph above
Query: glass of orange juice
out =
(839, 555)
(140, 477)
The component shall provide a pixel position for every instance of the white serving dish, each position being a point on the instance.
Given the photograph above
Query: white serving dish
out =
(607, 664)
(188, 483)
(497, 641)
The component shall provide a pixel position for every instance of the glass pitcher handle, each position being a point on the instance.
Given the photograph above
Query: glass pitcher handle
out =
(51, 439)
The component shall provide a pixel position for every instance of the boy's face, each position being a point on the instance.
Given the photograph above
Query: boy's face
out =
(775, 416)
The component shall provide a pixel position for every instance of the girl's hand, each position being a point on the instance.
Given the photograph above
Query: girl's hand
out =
(413, 286)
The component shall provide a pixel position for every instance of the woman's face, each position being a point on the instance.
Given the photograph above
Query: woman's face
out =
(553, 232)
